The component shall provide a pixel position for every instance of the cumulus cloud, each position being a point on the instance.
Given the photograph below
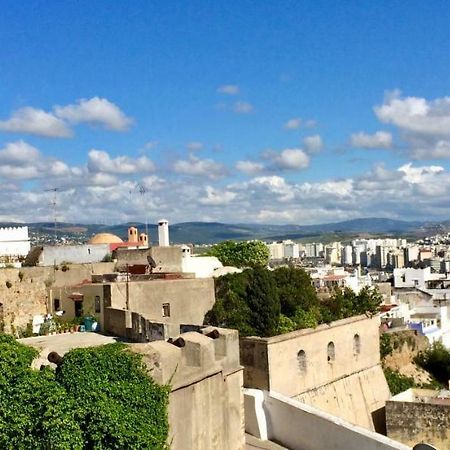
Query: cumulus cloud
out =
(290, 159)
(293, 124)
(242, 107)
(249, 167)
(313, 144)
(215, 197)
(95, 111)
(19, 153)
(380, 139)
(199, 167)
(422, 174)
(29, 120)
(100, 161)
(228, 89)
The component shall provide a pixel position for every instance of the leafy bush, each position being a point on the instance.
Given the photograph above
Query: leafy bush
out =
(435, 360)
(397, 382)
(241, 254)
(98, 398)
(385, 345)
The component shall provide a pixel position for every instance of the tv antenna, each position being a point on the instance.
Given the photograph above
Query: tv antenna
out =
(54, 204)
(143, 190)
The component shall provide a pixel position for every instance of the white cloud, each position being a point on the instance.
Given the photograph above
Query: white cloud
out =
(95, 111)
(228, 89)
(313, 144)
(19, 153)
(35, 121)
(416, 114)
(310, 123)
(293, 124)
(249, 167)
(243, 107)
(380, 139)
(422, 174)
(215, 197)
(100, 161)
(291, 159)
(194, 146)
(199, 167)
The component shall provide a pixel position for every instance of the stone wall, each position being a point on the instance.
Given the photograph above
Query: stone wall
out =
(411, 419)
(25, 292)
(206, 399)
(335, 367)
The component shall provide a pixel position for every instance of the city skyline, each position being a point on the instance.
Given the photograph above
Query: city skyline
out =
(239, 112)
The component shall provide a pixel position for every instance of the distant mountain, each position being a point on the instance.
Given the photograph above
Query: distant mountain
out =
(211, 232)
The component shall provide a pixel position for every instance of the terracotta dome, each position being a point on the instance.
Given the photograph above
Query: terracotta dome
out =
(105, 238)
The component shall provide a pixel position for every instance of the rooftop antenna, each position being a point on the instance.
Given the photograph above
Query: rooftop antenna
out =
(54, 203)
(142, 190)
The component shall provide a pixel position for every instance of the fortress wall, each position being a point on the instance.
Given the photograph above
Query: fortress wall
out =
(358, 398)
(206, 400)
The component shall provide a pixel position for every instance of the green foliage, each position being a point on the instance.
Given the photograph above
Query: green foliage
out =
(435, 360)
(258, 301)
(99, 398)
(107, 258)
(241, 254)
(386, 347)
(397, 382)
(263, 301)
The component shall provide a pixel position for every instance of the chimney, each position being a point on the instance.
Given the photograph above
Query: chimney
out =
(163, 233)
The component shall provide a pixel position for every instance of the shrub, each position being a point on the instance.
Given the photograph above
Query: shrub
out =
(435, 360)
(397, 382)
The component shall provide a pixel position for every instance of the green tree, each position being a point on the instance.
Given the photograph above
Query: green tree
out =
(295, 290)
(263, 302)
(241, 254)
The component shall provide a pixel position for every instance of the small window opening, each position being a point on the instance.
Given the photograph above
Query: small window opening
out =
(97, 304)
(301, 358)
(166, 309)
(356, 344)
(56, 304)
(331, 355)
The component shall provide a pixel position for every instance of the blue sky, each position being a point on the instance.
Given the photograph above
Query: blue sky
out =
(276, 112)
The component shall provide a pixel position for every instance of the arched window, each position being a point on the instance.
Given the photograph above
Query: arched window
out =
(330, 352)
(301, 358)
(356, 344)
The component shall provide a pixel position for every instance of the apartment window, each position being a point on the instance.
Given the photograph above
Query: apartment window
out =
(56, 304)
(166, 309)
(356, 344)
(301, 358)
(97, 304)
(331, 354)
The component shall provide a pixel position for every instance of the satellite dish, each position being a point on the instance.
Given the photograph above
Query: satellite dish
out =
(424, 447)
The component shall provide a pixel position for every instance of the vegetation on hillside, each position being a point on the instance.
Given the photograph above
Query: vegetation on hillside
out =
(241, 254)
(436, 360)
(98, 398)
(261, 302)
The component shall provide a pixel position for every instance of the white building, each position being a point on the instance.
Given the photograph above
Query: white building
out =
(14, 242)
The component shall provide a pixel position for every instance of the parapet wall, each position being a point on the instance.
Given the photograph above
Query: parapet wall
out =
(206, 401)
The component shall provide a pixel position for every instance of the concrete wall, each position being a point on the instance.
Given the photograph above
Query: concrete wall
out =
(302, 427)
(206, 400)
(168, 259)
(299, 365)
(417, 418)
(74, 254)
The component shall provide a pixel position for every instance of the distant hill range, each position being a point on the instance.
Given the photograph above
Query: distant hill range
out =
(211, 232)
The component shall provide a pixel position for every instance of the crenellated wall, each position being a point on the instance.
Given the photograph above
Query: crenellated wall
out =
(206, 400)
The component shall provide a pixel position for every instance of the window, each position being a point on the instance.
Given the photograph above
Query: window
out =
(166, 309)
(356, 344)
(56, 304)
(301, 358)
(97, 304)
(331, 355)
(89, 251)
